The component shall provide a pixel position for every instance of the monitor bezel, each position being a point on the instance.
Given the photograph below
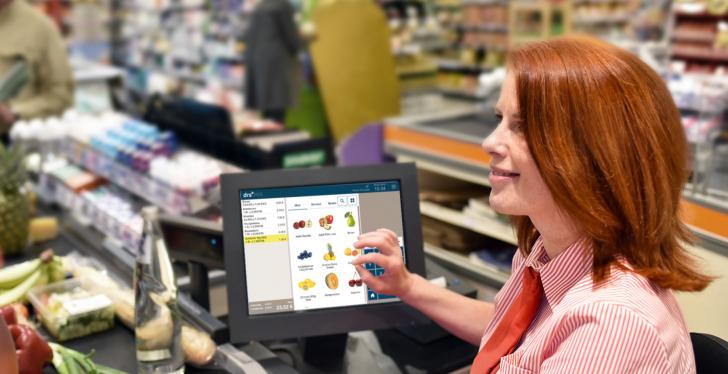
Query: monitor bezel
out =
(244, 327)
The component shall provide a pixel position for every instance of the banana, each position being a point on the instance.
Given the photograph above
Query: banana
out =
(18, 293)
(12, 276)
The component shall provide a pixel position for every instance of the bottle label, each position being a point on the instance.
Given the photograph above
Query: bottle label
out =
(153, 355)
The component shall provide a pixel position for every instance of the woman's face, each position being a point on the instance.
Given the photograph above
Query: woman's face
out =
(517, 187)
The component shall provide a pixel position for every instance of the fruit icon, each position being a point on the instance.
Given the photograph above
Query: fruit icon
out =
(329, 256)
(355, 281)
(304, 255)
(332, 281)
(301, 224)
(349, 219)
(325, 222)
(347, 252)
(306, 284)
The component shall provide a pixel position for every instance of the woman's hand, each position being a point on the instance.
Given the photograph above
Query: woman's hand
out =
(396, 279)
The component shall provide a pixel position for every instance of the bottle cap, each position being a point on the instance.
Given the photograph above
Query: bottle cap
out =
(150, 212)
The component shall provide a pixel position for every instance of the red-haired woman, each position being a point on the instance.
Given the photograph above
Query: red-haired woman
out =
(590, 160)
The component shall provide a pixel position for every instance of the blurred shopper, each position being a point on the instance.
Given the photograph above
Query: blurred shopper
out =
(272, 45)
(29, 36)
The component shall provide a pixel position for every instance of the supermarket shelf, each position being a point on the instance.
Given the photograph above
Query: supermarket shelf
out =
(232, 84)
(700, 15)
(452, 64)
(492, 47)
(691, 36)
(461, 262)
(482, 225)
(455, 156)
(485, 2)
(485, 27)
(600, 19)
(439, 168)
(579, 2)
(456, 92)
(147, 188)
(703, 54)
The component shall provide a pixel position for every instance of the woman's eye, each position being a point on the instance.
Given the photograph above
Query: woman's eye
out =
(499, 116)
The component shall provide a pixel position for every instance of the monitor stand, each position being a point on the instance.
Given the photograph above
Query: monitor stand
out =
(324, 352)
(199, 284)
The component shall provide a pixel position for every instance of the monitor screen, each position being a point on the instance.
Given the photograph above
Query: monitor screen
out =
(299, 243)
(289, 241)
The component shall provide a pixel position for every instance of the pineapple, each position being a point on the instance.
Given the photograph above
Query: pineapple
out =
(14, 208)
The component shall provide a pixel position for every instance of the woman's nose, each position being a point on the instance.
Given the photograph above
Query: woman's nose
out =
(492, 144)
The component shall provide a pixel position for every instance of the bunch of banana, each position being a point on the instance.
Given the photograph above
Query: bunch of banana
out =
(17, 280)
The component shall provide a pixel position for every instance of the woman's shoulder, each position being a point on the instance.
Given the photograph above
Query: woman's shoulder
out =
(629, 308)
(626, 297)
(623, 288)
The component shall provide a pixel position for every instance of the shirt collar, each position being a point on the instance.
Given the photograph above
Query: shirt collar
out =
(560, 274)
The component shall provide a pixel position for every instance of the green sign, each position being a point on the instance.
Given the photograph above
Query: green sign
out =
(314, 157)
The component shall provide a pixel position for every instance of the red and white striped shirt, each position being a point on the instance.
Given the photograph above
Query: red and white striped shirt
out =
(626, 325)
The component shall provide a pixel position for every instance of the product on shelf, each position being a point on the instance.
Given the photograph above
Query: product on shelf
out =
(114, 214)
(69, 311)
(129, 153)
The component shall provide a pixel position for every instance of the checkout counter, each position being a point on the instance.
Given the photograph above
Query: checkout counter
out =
(418, 349)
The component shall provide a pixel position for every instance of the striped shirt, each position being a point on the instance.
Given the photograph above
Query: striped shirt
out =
(626, 325)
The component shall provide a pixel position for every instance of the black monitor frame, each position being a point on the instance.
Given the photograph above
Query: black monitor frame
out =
(244, 327)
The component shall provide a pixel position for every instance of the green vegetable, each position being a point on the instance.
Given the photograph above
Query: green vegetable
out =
(68, 361)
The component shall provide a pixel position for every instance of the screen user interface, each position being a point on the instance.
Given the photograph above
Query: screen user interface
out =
(299, 244)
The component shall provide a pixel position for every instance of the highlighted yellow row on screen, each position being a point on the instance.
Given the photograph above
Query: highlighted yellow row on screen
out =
(266, 239)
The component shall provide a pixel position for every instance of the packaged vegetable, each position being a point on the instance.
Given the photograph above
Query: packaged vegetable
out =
(68, 310)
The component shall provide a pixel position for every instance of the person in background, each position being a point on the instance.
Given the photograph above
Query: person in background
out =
(272, 43)
(589, 159)
(28, 35)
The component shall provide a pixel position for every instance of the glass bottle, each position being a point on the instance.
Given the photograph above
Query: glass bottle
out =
(157, 318)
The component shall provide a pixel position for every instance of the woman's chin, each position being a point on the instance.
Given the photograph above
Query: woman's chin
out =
(502, 206)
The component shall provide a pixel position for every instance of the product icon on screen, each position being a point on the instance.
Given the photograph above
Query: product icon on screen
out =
(349, 219)
(332, 281)
(326, 222)
(329, 256)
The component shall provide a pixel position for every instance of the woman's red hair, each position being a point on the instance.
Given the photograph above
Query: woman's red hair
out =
(606, 135)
